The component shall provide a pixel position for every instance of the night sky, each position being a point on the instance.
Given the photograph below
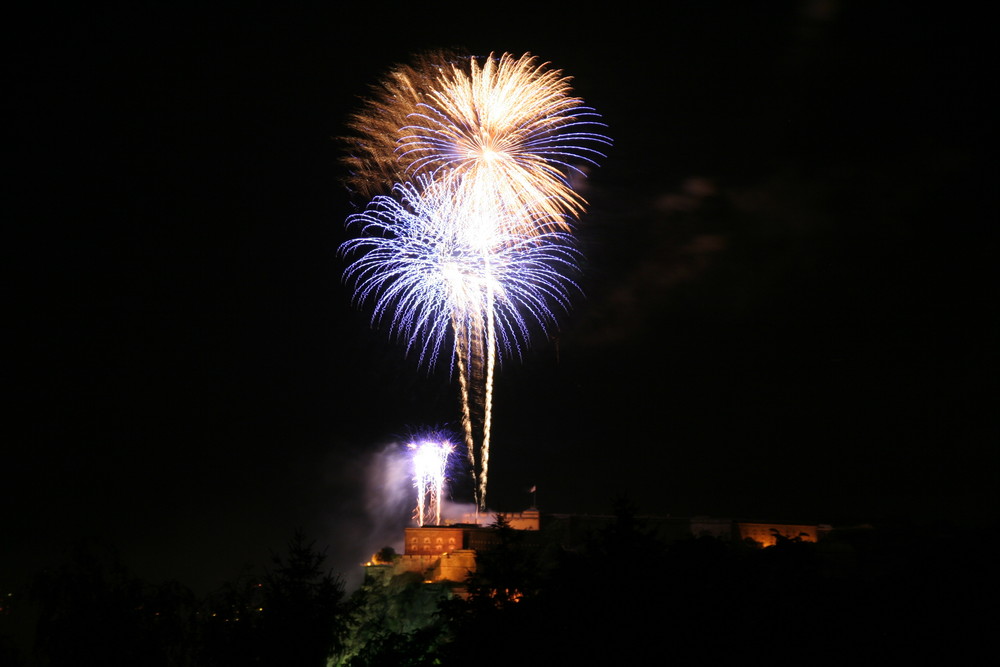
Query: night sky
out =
(789, 306)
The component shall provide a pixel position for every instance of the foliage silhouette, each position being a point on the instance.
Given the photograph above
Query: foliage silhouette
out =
(292, 614)
(92, 609)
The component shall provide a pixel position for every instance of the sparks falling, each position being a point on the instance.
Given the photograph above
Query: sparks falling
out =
(466, 241)
(430, 462)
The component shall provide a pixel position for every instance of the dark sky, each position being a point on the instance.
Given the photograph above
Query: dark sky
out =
(789, 307)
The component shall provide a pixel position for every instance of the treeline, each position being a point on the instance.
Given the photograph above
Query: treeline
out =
(621, 596)
(92, 610)
(624, 597)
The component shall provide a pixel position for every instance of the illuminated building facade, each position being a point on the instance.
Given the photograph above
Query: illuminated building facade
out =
(447, 553)
(767, 534)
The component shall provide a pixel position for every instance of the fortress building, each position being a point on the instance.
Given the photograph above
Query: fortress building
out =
(447, 553)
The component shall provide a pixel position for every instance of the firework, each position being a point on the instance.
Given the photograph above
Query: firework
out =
(506, 131)
(433, 276)
(430, 462)
(374, 166)
(422, 266)
(466, 240)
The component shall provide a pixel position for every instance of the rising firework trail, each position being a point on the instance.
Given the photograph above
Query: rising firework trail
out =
(469, 236)
(430, 463)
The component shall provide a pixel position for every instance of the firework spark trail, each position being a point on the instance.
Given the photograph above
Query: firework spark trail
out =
(463, 384)
(488, 400)
(373, 164)
(430, 462)
(476, 155)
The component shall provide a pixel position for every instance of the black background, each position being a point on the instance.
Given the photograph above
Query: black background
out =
(789, 308)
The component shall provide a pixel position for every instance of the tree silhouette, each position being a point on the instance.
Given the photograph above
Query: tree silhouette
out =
(92, 609)
(292, 616)
(302, 607)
